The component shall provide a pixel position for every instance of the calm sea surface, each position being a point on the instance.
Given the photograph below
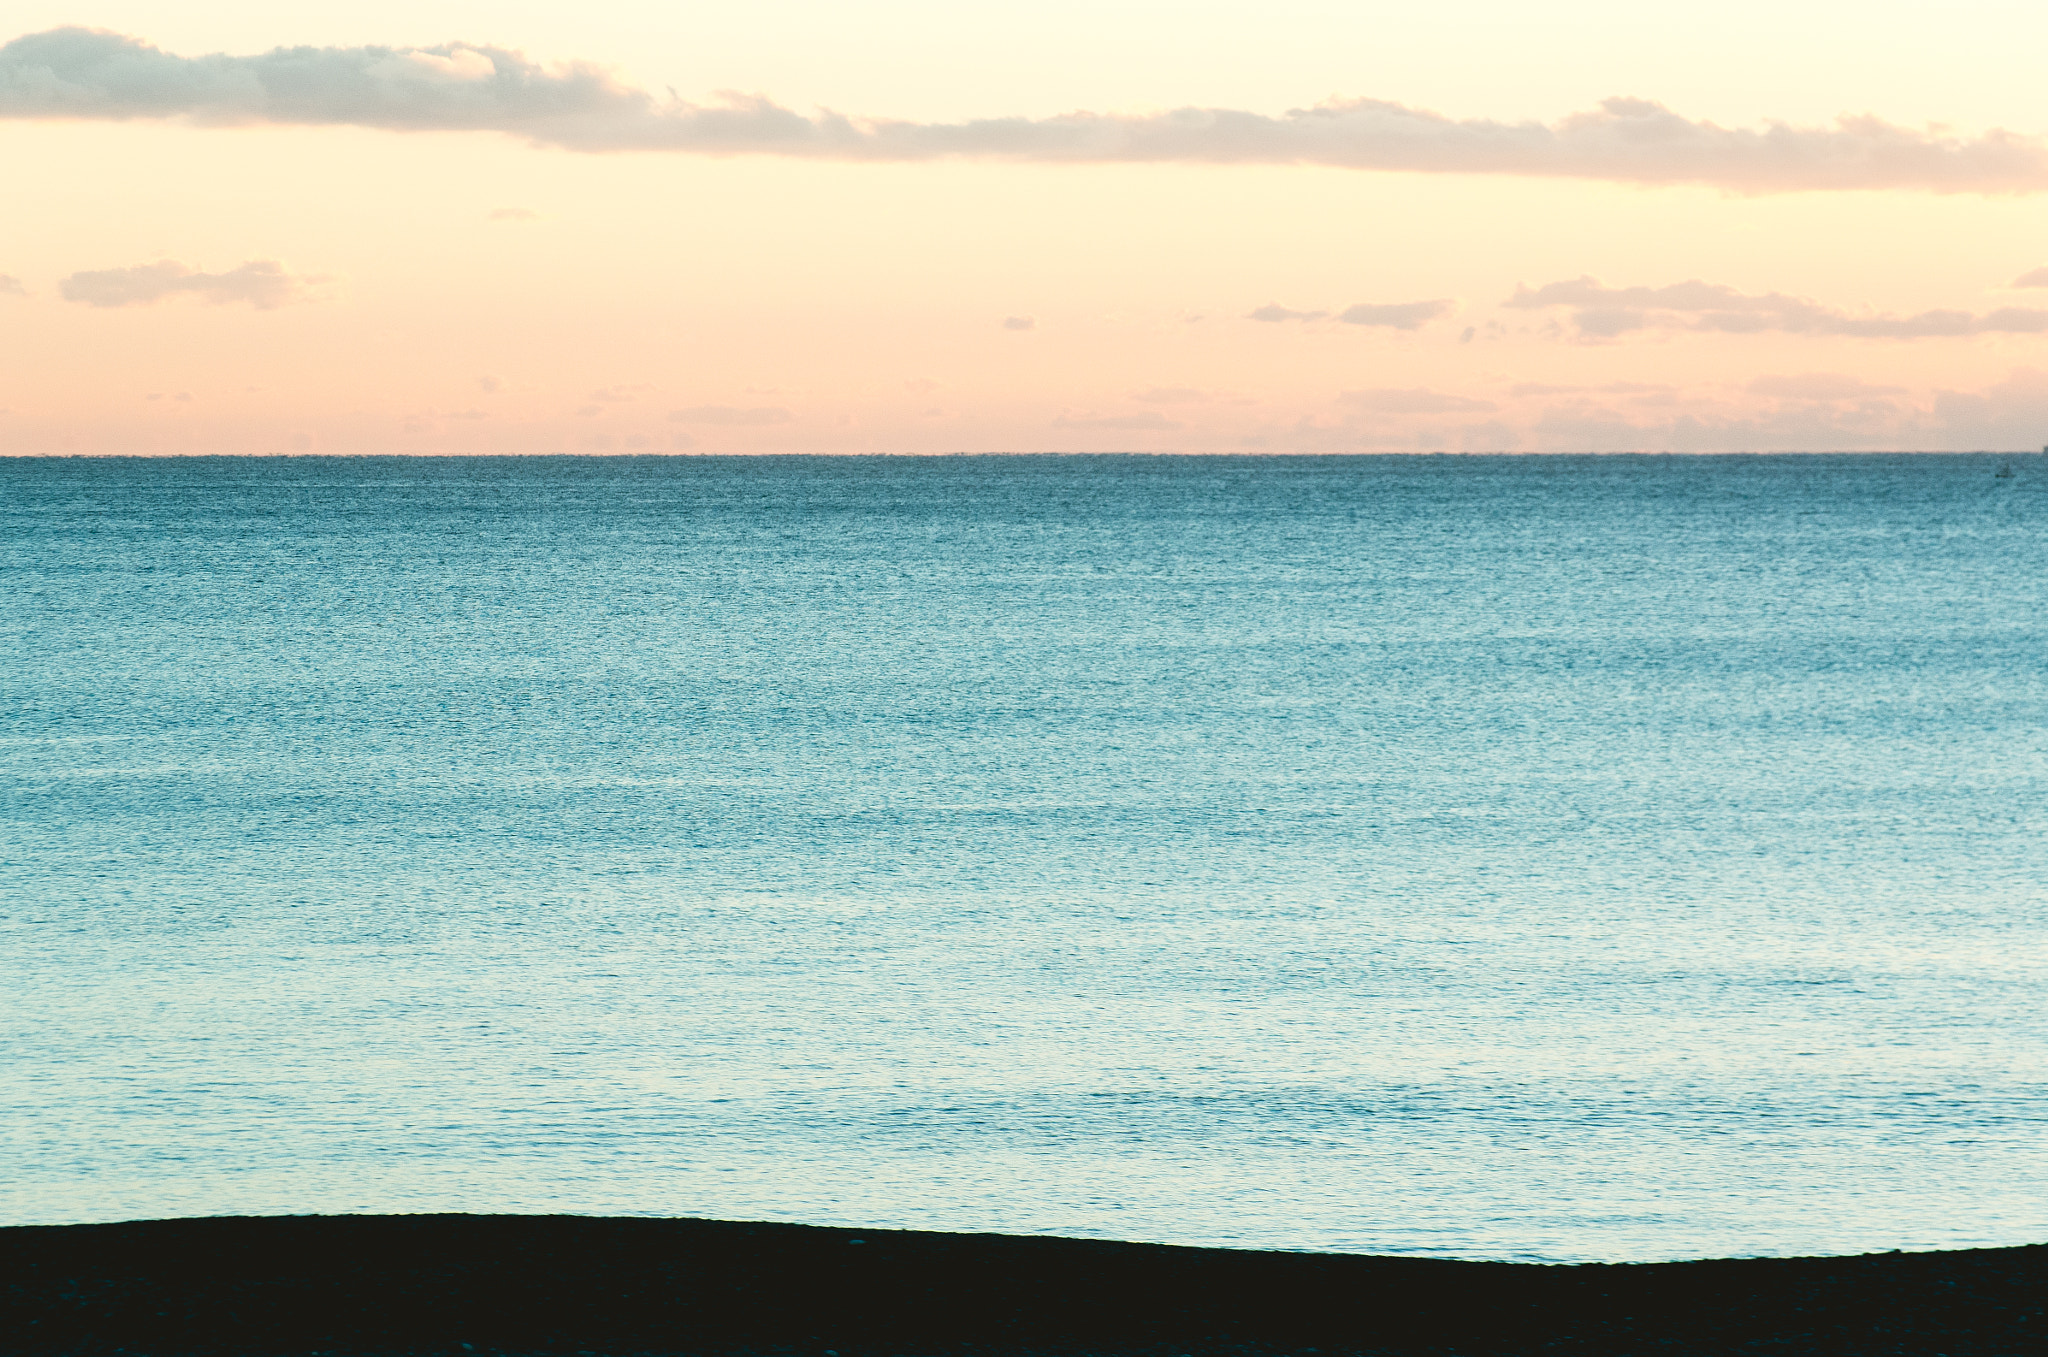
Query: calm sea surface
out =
(1616, 858)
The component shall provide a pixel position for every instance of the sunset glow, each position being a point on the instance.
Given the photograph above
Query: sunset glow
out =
(459, 228)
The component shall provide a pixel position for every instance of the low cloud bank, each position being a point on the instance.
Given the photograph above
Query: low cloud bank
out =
(86, 73)
(11, 286)
(1601, 312)
(262, 283)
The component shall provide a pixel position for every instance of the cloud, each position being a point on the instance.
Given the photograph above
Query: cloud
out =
(11, 286)
(262, 283)
(2032, 278)
(731, 414)
(2008, 415)
(1413, 401)
(1397, 316)
(1019, 323)
(514, 214)
(1604, 312)
(1819, 386)
(1595, 430)
(1150, 419)
(1394, 315)
(1273, 311)
(86, 73)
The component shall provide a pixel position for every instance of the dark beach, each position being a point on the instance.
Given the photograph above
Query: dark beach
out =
(541, 1284)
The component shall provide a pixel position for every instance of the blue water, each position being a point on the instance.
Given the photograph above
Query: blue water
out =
(1607, 858)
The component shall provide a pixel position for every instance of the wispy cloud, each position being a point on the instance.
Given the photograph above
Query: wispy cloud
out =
(1273, 312)
(731, 414)
(85, 73)
(1601, 312)
(1388, 315)
(1395, 316)
(1019, 323)
(262, 283)
(1413, 401)
(2032, 278)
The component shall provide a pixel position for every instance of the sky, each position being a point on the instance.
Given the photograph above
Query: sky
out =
(920, 228)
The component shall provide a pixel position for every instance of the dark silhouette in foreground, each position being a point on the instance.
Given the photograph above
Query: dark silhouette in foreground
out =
(348, 1285)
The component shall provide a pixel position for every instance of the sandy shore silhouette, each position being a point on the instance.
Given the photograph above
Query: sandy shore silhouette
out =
(351, 1285)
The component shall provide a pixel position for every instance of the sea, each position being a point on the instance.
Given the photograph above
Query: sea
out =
(1541, 858)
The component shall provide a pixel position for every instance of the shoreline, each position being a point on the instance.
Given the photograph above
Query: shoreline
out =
(459, 1284)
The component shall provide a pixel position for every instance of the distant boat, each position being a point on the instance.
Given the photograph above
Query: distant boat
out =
(2004, 472)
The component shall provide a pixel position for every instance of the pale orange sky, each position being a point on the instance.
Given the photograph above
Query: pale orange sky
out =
(348, 289)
